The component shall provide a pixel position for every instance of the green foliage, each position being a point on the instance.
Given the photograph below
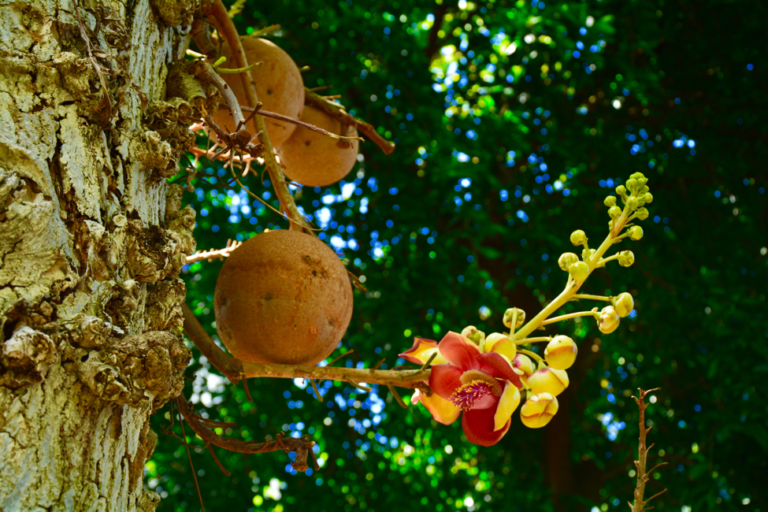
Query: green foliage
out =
(501, 155)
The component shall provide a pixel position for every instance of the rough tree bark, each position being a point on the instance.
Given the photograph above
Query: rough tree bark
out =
(91, 243)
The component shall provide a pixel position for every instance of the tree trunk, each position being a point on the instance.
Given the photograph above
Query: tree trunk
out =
(91, 243)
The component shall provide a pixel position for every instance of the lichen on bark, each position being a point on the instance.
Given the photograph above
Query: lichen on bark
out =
(92, 240)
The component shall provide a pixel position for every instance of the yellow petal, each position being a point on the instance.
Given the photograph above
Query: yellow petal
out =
(441, 409)
(509, 401)
(421, 351)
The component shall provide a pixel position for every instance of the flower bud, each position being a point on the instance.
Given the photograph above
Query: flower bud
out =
(648, 198)
(614, 212)
(608, 321)
(578, 237)
(471, 333)
(631, 185)
(637, 176)
(624, 304)
(635, 233)
(548, 380)
(566, 260)
(621, 190)
(642, 180)
(508, 314)
(579, 271)
(497, 342)
(524, 363)
(626, 258)
(642, 213)
(538, 410)
(632, 203)
(561, 352)
(610, 201)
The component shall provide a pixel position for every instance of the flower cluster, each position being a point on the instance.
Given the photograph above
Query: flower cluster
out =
(484, 379)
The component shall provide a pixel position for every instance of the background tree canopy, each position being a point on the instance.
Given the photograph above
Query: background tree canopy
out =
(513, 121)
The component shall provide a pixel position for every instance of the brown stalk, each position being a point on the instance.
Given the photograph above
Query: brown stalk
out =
(337, 111)
(228, 31)
(267, 113)
(230, 367)
(642, 457)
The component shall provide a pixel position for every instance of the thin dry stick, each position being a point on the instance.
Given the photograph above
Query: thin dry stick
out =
(189, 456)
(228, 31)
(314, 386)
(642, 457)
(297, 122)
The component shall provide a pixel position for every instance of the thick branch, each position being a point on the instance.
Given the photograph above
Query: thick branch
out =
(403, 379)
(229, 366)
(302, 446)
(337, 111)
(229, 33)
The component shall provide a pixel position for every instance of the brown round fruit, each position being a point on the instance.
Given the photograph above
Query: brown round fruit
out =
(282, 297)
(314, 159)
(278, 83)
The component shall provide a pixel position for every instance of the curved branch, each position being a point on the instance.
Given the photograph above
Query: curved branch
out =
(337, 111)
(229, 366)
(301, 446)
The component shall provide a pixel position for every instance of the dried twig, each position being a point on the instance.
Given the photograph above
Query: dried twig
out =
(302, 446)
(214, 254)
(642, 455)
(297, 122)
(337, 111)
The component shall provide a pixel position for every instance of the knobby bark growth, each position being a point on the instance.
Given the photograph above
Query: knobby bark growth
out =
(92, 240)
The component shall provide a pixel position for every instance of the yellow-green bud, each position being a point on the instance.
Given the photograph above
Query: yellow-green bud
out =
(471, 333)
(637, 176)
(538, 410)
(621, 190)
(631, 185)
(566, 260)
(626, 258)
(642, 213)
(608, 321)
(524, 364)
(614, 212)
(578, 237)
(648, 198)
(561, 352)
(642, 180)
(508, 314)
(497, 342)
(635, 233)
(548, 380)
(624, 304)
(579, 271)
(610, 201)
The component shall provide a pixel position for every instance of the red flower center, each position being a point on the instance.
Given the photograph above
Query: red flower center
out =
(468, 394)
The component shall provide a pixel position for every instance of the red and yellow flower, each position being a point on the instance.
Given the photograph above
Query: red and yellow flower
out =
(483, 385)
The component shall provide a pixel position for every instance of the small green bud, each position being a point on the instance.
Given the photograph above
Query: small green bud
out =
(626, 258)
(508, 314)
(608, 320)
(648, 198)
(586, 254)
(579, 271)
(632, 203)
(473, 334)
(578, 237)
(621, 190)
(642, 181)
(631, 185)
(637, 176)
(614, 212)
(642, 213)
(566, 260)
(635, 233)
(624, 304)
(610, 201)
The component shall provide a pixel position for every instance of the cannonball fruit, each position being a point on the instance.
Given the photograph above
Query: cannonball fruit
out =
(282, 297)
(314, 159)
(278, 83)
